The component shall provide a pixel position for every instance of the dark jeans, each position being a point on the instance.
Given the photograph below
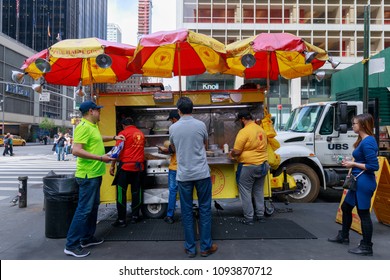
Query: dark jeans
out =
(172, 185)
(203, 191)
(5, 150)
(124, 179)
(83, 225)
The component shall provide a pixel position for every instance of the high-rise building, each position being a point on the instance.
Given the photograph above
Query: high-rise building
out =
(28, 25)
(144, 17)
(144, 27)
(91, 18)
(40, 23)
(334, 25)
(114, 33)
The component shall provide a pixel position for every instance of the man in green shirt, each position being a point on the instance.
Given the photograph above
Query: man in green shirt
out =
(91, 158)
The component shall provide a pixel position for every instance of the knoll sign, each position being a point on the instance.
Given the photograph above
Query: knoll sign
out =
(210, 86)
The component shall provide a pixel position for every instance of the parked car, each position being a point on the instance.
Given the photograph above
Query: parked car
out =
(17, 141)
(1, 140)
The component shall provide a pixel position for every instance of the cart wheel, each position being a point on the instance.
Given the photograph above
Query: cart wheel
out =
(154, 211)
(269, 208)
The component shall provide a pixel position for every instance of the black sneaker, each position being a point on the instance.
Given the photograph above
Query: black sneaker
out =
(135, 219)
(119, 223)
(169, 220)
(247, 222)
(92, 242)
(190, 254)
(78, 252)
(260, 219)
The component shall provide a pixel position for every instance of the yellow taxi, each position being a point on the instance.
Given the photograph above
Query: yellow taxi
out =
(17, 140)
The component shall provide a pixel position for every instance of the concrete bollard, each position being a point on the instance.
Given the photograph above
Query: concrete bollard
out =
(22, 191)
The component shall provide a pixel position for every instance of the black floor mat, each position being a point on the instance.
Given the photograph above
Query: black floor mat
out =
(223, 228)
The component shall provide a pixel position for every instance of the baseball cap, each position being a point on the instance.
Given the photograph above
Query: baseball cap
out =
(86, 105)
(173, 114)
(127, 121)
(244, 114)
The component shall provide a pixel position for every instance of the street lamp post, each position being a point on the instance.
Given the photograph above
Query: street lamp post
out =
(2, 101)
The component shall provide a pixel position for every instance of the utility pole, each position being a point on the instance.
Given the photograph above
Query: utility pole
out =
(366, 57)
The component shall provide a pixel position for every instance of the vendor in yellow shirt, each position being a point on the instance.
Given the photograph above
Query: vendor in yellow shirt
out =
(250, 150)
(172, 184)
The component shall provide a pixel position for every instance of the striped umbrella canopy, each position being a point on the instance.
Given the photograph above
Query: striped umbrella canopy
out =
(180, 52)
(74, 61)
(274, 54)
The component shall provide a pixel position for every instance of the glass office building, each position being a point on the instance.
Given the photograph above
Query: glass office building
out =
(32, 25)
(334, 25)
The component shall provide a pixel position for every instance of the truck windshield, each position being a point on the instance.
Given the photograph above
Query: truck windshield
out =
(304, 119)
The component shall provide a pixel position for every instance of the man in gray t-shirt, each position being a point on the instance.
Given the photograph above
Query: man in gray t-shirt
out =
(188, 136)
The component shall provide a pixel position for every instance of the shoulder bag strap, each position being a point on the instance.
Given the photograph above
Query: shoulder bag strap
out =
(359, 174)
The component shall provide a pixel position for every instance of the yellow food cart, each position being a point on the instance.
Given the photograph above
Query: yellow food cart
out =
(150, 109)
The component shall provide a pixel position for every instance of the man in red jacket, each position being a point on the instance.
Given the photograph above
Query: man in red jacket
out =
(130, 167)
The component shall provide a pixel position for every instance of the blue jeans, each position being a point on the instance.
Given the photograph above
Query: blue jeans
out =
(172, 186)
(60, 153)
(83, 225)
(203, 190)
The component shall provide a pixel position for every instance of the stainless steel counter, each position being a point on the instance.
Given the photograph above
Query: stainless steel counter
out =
(224, 159)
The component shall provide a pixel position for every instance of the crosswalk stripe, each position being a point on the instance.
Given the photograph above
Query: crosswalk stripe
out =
(8, 188)
(33, 165)
(35, 170)
(17, 182)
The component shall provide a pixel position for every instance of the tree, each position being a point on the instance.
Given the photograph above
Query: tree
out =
(47, 124)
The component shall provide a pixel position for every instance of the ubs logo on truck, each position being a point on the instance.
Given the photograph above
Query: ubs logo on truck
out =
(338, 146)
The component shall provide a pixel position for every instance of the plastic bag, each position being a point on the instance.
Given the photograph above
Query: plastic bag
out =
(116, 150)
(268, 127)
(274, 143)
(273, 158)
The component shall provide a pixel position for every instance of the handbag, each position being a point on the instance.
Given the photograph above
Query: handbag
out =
(350, 182)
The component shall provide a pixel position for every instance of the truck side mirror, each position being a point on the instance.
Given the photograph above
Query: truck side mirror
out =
(342, 117)
(343, 113)
(343, 128)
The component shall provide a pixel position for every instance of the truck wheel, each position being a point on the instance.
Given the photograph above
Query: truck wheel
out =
(308, 183)
(269, 208)
(154, 211)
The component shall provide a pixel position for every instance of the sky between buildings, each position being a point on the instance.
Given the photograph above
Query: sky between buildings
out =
(125, 14)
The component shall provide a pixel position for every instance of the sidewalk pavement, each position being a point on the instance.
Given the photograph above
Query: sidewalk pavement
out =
(23, 237)
(23, 234)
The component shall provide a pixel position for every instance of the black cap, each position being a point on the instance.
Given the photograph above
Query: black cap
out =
(173, 114)
(127, 121)
(244, 114)
(86, 105)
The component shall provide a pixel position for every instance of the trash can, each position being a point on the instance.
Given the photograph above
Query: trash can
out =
(61, 196)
